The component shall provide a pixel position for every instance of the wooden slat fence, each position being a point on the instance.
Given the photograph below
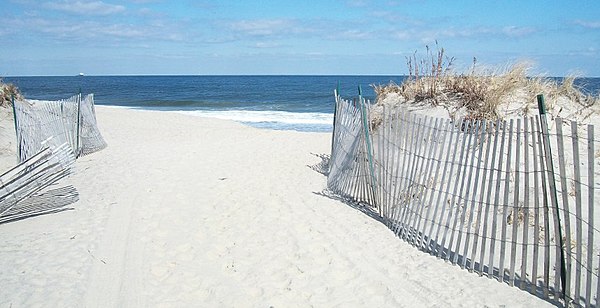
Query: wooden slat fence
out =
(511, 199)
(71, 121)
(19, 184)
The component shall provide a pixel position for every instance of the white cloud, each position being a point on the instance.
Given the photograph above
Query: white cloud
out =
(85, 7)
(266, 45)
(262, 27)
(514, 31)
(357, 3)
(588, 24)
(64, 30)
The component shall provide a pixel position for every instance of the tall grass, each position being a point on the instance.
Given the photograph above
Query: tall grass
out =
(480, 91)
(7, 92)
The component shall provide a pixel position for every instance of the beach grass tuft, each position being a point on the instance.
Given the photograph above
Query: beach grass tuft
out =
(7, 92)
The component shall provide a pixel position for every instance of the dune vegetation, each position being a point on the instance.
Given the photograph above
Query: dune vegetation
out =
(7, 92)
(482, 92)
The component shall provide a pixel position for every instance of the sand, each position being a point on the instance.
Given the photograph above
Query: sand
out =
(181, 211)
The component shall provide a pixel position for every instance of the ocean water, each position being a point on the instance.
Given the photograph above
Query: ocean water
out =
(303, 103)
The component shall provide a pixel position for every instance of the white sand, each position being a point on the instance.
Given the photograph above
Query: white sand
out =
(181, 211)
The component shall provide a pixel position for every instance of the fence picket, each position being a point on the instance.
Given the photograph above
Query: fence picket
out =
(527, 206)
(505, 207)
(515, 207)
(590, 239)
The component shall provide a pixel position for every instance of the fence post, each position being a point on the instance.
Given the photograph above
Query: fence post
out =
(76, 150)
(553, 194)
(336, 93)
(12, 99)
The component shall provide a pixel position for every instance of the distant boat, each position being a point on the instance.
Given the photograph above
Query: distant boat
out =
(81, 74)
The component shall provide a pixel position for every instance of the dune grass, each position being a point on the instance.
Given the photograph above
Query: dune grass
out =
(480, 91)
(7, 92)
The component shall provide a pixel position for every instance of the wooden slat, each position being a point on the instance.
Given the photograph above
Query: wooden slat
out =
(496, 204)
(578, 211)
(526, 203)
(505, 201)
(392, 145)
(515, 207)
(590, 240)
(536, 184)
(565, 204)
(382, 177)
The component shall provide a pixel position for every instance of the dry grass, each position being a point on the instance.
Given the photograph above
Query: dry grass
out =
(482, 93)
(7, 92)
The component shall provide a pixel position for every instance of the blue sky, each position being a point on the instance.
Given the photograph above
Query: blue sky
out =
(117, 37)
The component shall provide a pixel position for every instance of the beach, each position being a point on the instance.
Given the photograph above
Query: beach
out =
(183, 211)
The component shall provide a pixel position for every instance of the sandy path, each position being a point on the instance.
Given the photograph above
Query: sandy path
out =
(181, 211)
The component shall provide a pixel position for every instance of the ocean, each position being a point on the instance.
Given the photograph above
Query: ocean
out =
(303, 103)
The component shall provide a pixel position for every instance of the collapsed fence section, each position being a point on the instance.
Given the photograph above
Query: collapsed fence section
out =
(490, 197)
(71, 121)
(25, 180)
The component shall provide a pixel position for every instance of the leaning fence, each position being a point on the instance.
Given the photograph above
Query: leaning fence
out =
(71, 121)
(512, 200)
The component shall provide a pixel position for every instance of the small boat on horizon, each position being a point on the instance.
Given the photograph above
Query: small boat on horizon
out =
(81, 74)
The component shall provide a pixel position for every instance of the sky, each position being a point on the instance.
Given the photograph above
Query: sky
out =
(309, 37)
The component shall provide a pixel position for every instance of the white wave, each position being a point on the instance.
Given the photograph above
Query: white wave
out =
(252, 116)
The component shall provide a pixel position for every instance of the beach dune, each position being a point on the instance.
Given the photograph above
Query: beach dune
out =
(181, 211)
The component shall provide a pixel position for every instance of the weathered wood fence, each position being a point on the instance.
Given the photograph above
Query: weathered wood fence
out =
(71, 121)
(20, 186)
(512, 200)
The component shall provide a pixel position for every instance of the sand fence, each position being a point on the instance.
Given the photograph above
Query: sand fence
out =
(20, 195)
(50, 135)
(512, 200)
(71, 121)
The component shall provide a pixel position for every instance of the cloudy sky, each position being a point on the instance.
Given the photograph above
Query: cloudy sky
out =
(119, 37)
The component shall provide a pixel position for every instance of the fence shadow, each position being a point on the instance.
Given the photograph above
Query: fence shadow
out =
(321, 167)
(359, 206)
(48, 202)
